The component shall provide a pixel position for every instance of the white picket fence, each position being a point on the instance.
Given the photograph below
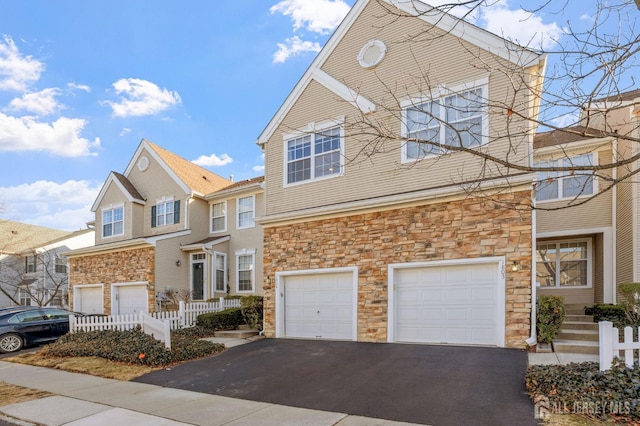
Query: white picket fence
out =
(157, 324)
(611, 346)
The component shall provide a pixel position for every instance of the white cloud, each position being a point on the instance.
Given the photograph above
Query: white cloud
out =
(213, 160)
(17, 72)
(55, 205)
(61, 137)
(319, 16)
(141, 97)
(520, 26)
(258, 169)
(125, 131)
(42, 103)
(294, 46)
(75, 86)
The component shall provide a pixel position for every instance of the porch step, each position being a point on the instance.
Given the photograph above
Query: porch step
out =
(576, 346)
(573, 334)
(237, 334)
(572, 309)
(579, 318)
(579, 325)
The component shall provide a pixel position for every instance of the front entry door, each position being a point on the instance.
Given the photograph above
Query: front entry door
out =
(197, 276)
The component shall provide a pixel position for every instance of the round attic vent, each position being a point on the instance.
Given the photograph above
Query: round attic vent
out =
(143, 164)
(372, 53)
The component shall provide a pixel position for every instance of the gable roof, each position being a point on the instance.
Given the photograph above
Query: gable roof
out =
(124, 185)
(621, 97)
(255, 182)
(199, 180)
(433, 16)
(17, 237)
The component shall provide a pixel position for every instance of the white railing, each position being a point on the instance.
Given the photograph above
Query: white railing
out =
(611, 346)
(157, 324)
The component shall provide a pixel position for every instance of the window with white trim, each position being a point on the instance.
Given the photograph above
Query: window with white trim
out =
(457, 119)
(113, 222)
(558, 185)
(219, 217)
(245, 271)
(246, 212)
(61, 265)
(24, 297)
(165, 212)
(315, 155)
(220, 275)
(563, 264)
(30, 264)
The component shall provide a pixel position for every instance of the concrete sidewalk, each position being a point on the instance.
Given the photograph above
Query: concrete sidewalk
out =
(559, 358)
(81, 399)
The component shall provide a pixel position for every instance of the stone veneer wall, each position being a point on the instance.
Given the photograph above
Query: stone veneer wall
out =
(114, 267)
(469, 228)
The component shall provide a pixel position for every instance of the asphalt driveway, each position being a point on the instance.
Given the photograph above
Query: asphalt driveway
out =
(436, 385)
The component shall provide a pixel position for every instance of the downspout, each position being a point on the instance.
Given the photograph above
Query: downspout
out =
(532, 340)
(614, 223)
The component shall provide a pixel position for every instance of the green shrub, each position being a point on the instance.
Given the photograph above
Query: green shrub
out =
(252, 310)
(133, 346)
(549, 317)
(574, 387)
(603, 312)
(224, 320)
(630, 300)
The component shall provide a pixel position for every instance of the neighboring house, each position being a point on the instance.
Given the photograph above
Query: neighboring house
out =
(387, 248)
(33, 270)
(154, 239)
(585, 250)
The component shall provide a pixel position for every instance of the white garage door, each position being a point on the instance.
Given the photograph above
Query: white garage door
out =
(89, 300)
(319, 306)
(447, 304)
(132, 299)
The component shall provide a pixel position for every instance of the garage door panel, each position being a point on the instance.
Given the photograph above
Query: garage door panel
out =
(319, 306)
(90, 300)
(132, 299)
(447, 304)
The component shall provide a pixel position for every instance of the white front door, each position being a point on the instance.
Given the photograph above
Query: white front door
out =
(319, 306)
(455, 304)
(131, 299)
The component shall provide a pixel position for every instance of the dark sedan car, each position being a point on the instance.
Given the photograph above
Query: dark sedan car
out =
(22, 326)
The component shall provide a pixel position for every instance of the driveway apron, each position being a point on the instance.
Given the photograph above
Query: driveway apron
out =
(427, 384)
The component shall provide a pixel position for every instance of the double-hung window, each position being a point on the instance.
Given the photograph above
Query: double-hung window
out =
(30, 264)
(219, 217)
(432, 127)
(552, 185)
(113, 221)
(315, 155)
(245, 261)
(61, 265)
(563, 263)
(246, 212)
(165, 212)
(220, 276)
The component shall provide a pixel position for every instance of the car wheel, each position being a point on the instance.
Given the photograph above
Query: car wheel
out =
(10, 343)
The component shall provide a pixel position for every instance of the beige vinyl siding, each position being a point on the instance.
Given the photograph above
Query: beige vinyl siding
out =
(246, 238)
(114, 197)
(624, 236)
(598, 276)
(446, 60)
(596, 213)
(155, 183)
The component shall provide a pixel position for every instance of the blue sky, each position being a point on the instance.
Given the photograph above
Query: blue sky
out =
(82, 82)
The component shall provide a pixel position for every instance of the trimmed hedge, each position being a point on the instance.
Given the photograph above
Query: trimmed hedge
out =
(603, 312)
(228, 319)
(584, 389)
(549, 317)
(134, 346)
(252, 311)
